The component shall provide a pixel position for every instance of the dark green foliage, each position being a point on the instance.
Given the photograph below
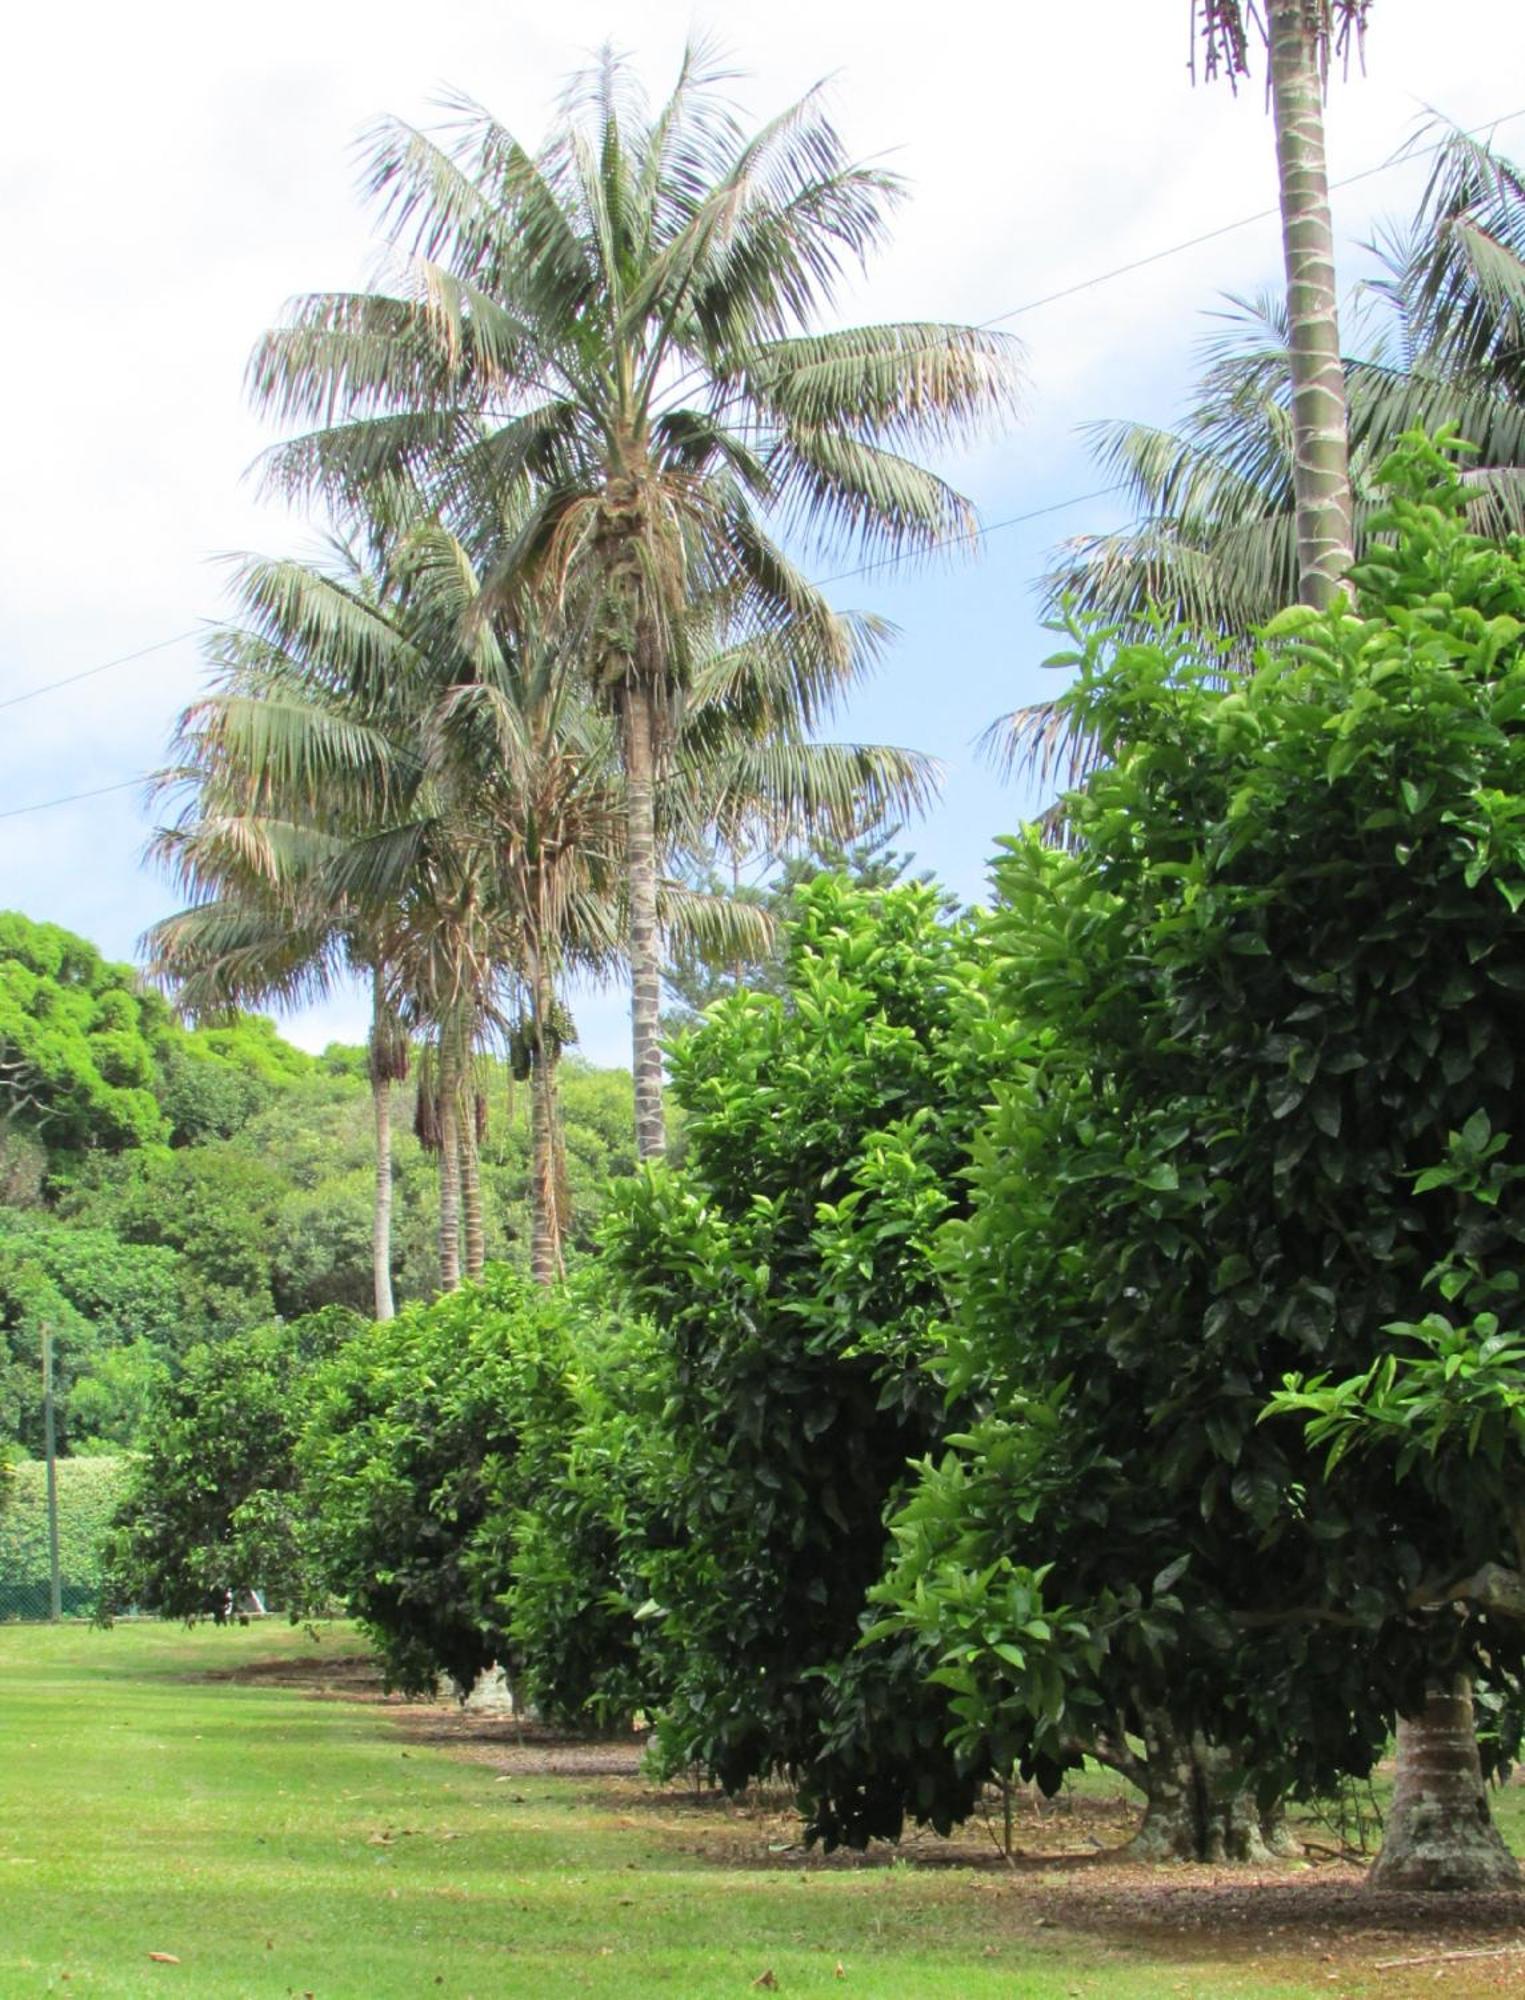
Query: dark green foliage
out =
(593, 1533)
(788, 1263)
(214, 1205)
(426, 1436)
(212, 1509)
(1258, 1101)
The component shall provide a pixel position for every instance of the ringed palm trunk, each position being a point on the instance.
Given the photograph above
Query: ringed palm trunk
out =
(383, 1066)
(449, 1086)
(381, 1224)
(471, 1180)
(1321, 471)
(545, 1201)
(645, 945)
(1440, 1833)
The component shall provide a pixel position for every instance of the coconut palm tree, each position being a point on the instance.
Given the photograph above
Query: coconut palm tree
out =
(620, 332)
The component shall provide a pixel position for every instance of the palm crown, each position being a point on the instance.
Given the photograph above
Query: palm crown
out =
(618, 331)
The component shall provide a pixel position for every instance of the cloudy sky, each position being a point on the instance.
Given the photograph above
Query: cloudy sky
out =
(171, 173)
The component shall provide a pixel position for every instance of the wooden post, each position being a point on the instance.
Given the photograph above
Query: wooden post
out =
(50, 1453)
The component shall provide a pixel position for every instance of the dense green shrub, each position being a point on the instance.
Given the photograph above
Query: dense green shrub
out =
(788, 1262)
(1257, 1118)
(213, 1508)
(425, 1437)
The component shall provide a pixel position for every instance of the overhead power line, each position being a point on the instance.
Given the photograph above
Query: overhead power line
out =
(979, 534)
(87, 673)
(1228, 228)
(73, 798)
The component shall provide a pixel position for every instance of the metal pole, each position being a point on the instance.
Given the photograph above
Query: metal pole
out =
(50, 1452)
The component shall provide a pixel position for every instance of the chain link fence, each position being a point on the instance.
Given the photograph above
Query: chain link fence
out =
(89, 1492)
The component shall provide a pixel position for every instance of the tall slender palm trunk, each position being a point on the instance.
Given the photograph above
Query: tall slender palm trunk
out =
(645, 937)
(381, 1221)
(545, 1180)
(1321, 473)
(388, 1061)
(449, 1089)
(1440, 1833)
(472, 1230)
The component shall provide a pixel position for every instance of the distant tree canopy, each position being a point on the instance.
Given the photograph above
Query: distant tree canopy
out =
(162, 1185)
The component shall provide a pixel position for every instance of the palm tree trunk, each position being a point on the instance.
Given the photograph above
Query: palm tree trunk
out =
(449, 1087)
(645, 940)
(545, 1204)
(381, 1222)
(382, 1065)
(471, 1179)
(1321, 470)
(1440, 1833)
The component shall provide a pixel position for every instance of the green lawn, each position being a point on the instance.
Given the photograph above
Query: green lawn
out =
(280, 1845)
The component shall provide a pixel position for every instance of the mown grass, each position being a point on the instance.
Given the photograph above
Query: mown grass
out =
(280, 1845)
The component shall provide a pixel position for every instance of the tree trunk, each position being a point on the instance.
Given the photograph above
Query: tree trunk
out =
(1440, 1833)
(381, 1224)
(1199, 1806)
(1321, 470)
(388, 1060)
(449, 1087)
(471, 1180)
(645, 940)
(545, 1203)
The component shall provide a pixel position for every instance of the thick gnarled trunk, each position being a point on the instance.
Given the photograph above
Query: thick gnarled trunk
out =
(1199, 1803)
(645, 937)
(1440, 1834)
(1321, 472)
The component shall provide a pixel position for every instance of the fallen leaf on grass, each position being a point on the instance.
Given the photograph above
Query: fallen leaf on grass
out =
(164, 1958)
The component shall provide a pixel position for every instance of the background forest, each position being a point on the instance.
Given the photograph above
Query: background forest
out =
(163, 1185)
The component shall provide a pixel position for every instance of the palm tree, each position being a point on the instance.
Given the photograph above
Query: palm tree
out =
(1298, 36)
(261, 928)
(619, 331)
(1214, 545)
(303, 764)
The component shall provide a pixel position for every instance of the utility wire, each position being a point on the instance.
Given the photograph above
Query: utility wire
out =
(979, 534)
(72, 798)
(883, 562)
(991, 528)
(1228, 228)
(87, 673)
